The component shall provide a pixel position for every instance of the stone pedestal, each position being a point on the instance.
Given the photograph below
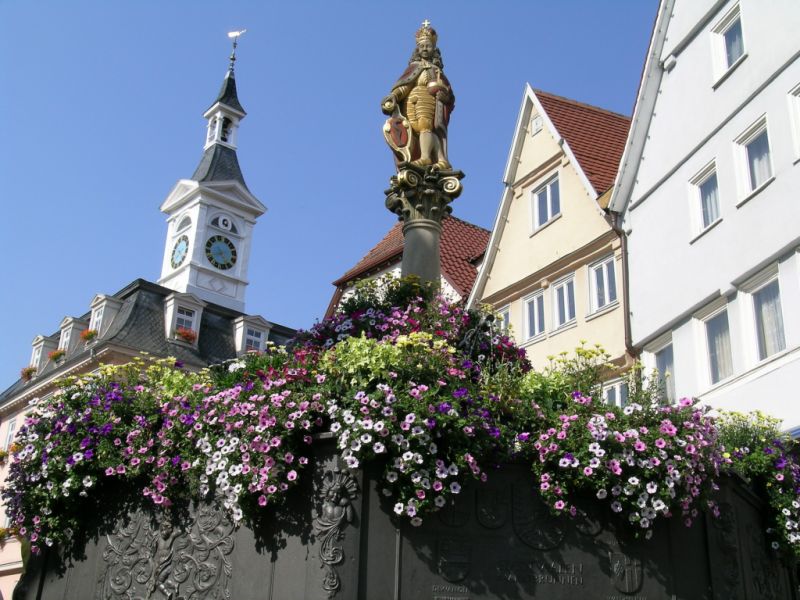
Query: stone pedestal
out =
(338, 538)
(421, 197)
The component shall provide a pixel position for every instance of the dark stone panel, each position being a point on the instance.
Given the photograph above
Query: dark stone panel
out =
(338, 538)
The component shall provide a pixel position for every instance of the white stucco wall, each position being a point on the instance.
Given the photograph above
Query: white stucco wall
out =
(675, 269)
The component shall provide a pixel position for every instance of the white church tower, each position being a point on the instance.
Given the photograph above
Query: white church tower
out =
(210, 217)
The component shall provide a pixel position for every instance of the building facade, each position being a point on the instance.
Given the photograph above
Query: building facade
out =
(553, 266)
(707, 194)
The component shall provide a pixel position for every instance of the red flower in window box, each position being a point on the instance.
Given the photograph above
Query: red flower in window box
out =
(187, 335)
(87, 335)
(27, 373)
(56, 355)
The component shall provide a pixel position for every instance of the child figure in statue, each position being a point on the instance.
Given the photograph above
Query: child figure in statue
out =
(419, 106)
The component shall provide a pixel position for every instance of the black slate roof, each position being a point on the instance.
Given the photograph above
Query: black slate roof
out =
(139, 326)
(219, 163)
(227, 93)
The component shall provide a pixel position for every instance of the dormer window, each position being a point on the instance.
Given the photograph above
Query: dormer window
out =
(253, 340)
(250, 334)
(36, 356)
(182, 317)
(63, 341)
(185, 318)
(97, 318)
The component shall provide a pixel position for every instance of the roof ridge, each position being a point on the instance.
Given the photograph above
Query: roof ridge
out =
(581, 104)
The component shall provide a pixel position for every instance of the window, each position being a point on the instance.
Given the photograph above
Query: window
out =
(769, 319)
(707, 193)
(718, 340)
(665, 365)
(63, 341)
(757, 163)
(794, 113)
(616, 393)
(728, 41)
(504, 319)
(12, 425)
(185, 318)
(36, 356)
(603, 283)
(534, 315)
(546, 203)
(759, 166)
(252, 340)
(536, 124)
(97, 318)
(564, 302)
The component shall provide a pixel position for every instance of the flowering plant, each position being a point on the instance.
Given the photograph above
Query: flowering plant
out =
(763, 455)
(427, 392)
(87, 335)
(27, 373)
(187, 335)
(56, 355)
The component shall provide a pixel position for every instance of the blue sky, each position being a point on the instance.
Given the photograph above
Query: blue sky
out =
(102, 113)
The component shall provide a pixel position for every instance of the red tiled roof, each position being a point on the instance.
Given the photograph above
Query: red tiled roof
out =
(596, 136)
(461, 244)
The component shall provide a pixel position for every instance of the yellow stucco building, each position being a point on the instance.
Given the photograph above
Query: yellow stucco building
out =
(553, 269)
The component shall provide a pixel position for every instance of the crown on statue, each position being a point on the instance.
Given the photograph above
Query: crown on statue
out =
(426, 32)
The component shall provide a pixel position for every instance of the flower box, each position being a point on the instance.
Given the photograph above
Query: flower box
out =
(27, 373)
(186, 335)
(88, 335)
(56, 355)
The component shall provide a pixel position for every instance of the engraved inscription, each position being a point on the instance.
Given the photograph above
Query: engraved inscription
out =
(626, 572)
(542, 573)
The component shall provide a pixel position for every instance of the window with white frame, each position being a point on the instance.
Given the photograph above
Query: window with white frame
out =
(794, 113)
(603, 283)
(728, 40)
(564, 302)
(754, 145)
(36, 355)
(184, 318)
(12, 425)
(706, 191)
(616, 393)
(534, 315)
(253, 340)
(63, 341)
(718, 345)
(97, 318)
(768, 319)
(504, 319)
(665, 365)
(545, 203)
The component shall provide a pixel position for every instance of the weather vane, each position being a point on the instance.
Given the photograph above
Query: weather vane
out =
(234, 35)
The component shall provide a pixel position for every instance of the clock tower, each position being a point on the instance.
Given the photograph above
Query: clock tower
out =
(210, 216)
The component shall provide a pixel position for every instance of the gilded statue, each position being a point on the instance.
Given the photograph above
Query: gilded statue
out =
(419, 106)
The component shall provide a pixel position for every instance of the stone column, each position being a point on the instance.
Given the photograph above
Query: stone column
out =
(421, 197)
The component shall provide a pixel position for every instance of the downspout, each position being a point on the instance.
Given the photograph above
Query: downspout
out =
(626, 294)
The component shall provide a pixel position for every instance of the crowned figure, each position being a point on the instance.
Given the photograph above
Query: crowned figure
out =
(419, 106)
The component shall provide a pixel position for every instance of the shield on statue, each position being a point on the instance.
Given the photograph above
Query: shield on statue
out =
(454, 559)
(397, 131)
(626, 572)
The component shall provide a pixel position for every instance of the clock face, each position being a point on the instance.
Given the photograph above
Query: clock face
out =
(220, 252)
(179, 252)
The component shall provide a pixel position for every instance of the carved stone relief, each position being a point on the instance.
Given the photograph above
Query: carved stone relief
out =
(152, 559)
(338, 492)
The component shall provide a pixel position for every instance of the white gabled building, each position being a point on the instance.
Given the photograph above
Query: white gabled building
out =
(708, 194)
